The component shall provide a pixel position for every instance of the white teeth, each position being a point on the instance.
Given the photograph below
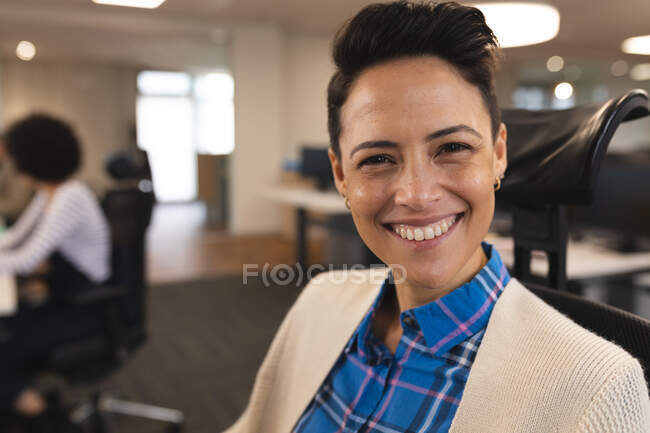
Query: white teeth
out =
(426, 232)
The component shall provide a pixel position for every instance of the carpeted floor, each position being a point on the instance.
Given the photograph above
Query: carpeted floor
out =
(207, 339)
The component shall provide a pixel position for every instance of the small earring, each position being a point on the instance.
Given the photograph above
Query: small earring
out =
(347, 202)
(497, 185)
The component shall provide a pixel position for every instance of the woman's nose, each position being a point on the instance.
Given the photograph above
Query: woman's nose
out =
(417, 186)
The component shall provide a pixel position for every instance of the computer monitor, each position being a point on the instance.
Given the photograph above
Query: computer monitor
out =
(622, 201)
(316, 164)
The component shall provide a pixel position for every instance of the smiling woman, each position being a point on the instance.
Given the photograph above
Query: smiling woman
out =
(444, 340)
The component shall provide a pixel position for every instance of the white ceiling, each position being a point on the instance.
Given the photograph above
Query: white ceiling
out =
(193, 32)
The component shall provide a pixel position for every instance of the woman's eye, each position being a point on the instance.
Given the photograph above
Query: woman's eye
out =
(453, 147)
(374, 160)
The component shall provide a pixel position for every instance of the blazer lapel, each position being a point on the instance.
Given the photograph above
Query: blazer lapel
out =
(499, 365)
(325, 328)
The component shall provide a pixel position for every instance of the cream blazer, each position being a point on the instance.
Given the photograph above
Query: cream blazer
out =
(535, 371)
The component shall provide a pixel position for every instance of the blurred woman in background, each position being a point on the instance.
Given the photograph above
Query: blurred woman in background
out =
(59, 245)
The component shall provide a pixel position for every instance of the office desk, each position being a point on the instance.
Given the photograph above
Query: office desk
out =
(305, 200)
(585, 261)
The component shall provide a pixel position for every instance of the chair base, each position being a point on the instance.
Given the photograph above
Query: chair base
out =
(94, 409)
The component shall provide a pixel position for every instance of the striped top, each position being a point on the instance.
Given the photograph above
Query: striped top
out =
(419, 388)
(71, 222)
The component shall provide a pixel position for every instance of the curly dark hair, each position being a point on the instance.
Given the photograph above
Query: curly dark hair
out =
(382, 32)
(43, 147)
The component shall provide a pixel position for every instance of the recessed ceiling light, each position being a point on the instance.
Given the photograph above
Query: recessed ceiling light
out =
(520, 24)
(25, 50)
(146, 4)
(619, 68)
(555, 63)
(563, 90)
(636, 45)
(640, 72)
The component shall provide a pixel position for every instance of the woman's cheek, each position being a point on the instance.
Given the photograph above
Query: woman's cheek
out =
(366, 195)
(474, 181)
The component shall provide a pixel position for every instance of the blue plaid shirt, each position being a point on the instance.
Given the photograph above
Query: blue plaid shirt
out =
(419, 388)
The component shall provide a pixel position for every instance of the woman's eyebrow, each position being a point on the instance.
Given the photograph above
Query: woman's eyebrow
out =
(451, 130)
(432, 136)
(372, 145)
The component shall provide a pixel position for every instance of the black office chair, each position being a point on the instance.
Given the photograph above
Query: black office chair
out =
(554, 158)
(122, 301)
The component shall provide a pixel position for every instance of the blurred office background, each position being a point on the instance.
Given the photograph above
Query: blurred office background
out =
(227, 97)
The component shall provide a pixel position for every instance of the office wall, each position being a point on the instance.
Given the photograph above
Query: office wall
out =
(98, 99)
(257, 61)
(280, 88)
(309, 68)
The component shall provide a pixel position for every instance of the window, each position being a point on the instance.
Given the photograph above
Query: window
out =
(179, 115)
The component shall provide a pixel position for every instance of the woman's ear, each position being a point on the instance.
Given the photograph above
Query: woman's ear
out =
(500, 159)
(337, 172)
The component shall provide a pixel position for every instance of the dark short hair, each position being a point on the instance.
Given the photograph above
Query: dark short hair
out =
(43, 147)
(382, 32)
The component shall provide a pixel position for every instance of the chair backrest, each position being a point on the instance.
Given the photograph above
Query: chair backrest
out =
(554, 156)
(629, 331)
(128, 212)
(554, 159)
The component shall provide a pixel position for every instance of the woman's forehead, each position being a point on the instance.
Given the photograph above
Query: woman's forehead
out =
(415, 90)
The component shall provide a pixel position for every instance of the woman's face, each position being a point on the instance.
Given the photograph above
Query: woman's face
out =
(418, 162)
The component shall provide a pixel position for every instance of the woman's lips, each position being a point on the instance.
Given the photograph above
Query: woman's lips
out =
(425, 236)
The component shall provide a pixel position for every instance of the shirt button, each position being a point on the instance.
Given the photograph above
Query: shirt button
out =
(409, 321)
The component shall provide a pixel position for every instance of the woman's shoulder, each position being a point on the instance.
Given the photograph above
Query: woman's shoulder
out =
(550, 336)
(550, 341)
(533, 353)
(538, 318)
(74, 201)
(76, 185)
(75, 190)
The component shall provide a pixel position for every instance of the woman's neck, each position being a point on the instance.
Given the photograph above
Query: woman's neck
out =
(412, 294)
(49, 188)
(386, 324)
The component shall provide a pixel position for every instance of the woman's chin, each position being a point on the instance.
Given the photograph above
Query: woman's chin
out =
(420, 278)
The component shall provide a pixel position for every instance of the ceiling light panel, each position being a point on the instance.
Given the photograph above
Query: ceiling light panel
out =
(636, 45)
(640, 72)
(521, 24)
(145, 4)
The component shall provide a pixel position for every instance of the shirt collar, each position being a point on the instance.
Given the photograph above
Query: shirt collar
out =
(447, 321)
(364, 342)
(465, 311)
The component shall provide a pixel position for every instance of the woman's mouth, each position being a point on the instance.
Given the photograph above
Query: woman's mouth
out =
(429, 232)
